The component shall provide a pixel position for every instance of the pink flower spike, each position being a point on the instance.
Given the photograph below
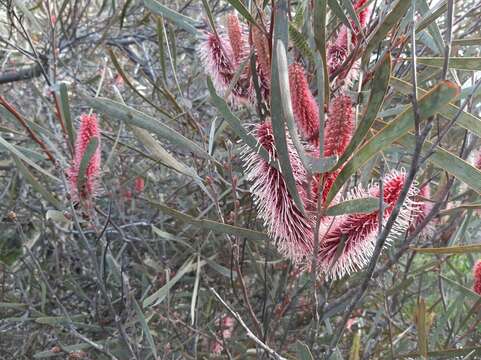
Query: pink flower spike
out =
(477, 277)
(236, 38)
(88, 130)
(350, 240)
(339, 126)
(227, 327)
(285, 222)
(218, 58)
(139, 184)
(305, 108)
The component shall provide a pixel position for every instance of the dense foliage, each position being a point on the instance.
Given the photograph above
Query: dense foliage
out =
(286, 179)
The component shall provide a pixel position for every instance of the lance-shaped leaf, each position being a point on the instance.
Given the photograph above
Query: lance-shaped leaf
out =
(465, 120)
(449, 162)
(278, 123)
(381, 31)
(180, 20)
(450, 250)
(117, 110)
(354, 206)
(380, 84)
(428, 105)
(460, 63)
(236, 125)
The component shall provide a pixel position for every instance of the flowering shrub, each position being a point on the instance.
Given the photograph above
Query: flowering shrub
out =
(235, 179)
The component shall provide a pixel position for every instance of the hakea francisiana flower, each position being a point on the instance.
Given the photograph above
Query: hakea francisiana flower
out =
(217, 55)
(89, 129)
(263, 58)
(338, 132)
(237, 38)
(304, 106)
(338, 51)
(477, 277)
(422, 208)
(348, 242)
(285, 222)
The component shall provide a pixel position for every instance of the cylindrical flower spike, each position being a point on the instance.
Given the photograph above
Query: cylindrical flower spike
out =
(218, 58)
(285, 222)
(89, 129)
(477, 278)
(263, 54)
(349, 241)
(338, 132)
(237, 38)
(304, 106)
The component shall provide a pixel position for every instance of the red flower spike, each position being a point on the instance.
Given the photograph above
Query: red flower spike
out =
(285, 222)
(477, 278)
(89, 129)
(304, 106)
(337, 135)
(356, 234)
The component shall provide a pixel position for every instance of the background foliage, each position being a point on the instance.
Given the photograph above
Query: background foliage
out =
(152, 274)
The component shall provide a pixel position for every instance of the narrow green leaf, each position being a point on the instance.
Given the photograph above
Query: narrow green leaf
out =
(467, 42)
(365, 205)
(460, 63)
(4, 143)
(145, 328)
(449, 162)
(37, 185)
(444, 354)
(355, 353)
(379, 88)
(429, 105)
(62, 94)
(159, 296)
(277, 113)
(465, 120)
(382, 30)
(421, 327)
(236, 125)
(450, 250)
(239, 6)
(431, 17)
(117, 110)
(339, 12)
(303, 352)
(209, 224)
(182, 21)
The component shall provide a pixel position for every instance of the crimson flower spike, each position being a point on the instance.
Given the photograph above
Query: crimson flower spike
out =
(263, 57)
(285, 222)
(304, 106)
(217, 56)
(89, 129)
(337, 135)
(477, 277)
(338, 50)
(349, 241)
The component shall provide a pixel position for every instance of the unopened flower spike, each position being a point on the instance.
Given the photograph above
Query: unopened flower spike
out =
(89, 129)
(477, 277)
(304, 106)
